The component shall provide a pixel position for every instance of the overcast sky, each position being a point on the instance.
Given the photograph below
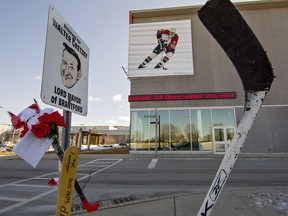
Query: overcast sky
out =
(102, 24)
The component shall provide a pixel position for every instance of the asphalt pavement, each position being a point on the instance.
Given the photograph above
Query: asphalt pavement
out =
(244, 201)
(233, 201)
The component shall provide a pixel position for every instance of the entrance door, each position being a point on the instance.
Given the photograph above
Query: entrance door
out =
(222, 137)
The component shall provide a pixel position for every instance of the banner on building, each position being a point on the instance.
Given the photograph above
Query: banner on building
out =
(160, 49)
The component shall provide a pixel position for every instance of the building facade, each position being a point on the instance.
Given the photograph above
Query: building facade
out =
(195, 104)
(89, 135)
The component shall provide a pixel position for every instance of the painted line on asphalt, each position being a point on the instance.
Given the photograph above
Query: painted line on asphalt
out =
(152, 164)
(22, 202)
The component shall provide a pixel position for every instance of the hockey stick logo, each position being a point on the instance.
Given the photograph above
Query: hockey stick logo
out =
(218, 185)
(215, 191)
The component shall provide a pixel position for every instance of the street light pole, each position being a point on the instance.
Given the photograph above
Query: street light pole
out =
(156, 130)
(79, 144)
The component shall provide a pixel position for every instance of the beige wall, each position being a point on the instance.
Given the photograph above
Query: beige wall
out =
(213, 69)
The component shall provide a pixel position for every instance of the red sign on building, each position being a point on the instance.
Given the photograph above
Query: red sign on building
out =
(186, 96)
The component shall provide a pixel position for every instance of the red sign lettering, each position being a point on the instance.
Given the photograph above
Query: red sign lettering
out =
(186, 96)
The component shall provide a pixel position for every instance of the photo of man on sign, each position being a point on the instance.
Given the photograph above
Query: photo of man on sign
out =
(70, 67)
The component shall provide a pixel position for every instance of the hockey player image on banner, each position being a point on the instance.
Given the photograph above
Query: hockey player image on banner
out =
(160, 49)
(167, 42)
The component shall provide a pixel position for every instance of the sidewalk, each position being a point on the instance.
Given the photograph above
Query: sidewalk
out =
(236, 202)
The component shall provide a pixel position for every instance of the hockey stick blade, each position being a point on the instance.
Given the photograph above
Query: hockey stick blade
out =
(89, 207)
(230, 30)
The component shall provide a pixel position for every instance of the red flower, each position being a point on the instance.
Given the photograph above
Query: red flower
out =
(40, 130)
(53, 117)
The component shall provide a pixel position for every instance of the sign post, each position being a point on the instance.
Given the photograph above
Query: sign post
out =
(156, 129)
(65, 71)
(66, 131)
(156, 122)
(65, 81)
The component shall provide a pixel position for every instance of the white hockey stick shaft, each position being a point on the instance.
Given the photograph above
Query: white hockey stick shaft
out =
(252, 105)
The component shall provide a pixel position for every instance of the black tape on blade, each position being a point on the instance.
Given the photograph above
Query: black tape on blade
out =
(230, 30)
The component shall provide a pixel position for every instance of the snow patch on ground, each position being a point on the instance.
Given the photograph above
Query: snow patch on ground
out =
(278, 200)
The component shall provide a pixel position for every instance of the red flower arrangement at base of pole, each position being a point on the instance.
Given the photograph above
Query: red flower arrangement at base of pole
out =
(40, 130)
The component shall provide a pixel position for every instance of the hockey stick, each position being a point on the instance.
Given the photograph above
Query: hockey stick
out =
(89, 207)
(230, 30)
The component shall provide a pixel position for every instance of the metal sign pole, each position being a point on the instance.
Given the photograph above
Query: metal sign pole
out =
(156, 130)
(65, 139)
(159, 137)
(65, 142)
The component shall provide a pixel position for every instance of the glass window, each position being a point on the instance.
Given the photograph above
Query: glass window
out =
(152, 128)
(219, 134)
(223, 117)
(201, 130)
(230, 133)
(140, 136)
(180, 130)
(163, 129)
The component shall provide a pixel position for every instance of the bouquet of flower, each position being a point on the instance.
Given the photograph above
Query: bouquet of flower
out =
(40, 129)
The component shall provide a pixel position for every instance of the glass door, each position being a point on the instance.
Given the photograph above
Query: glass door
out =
(222, 137)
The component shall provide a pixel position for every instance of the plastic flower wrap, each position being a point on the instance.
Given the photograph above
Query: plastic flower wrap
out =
(42, 123)
(40, 129)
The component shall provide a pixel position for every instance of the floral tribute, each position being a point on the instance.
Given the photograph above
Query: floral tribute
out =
(39, 131)
(42, 123)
